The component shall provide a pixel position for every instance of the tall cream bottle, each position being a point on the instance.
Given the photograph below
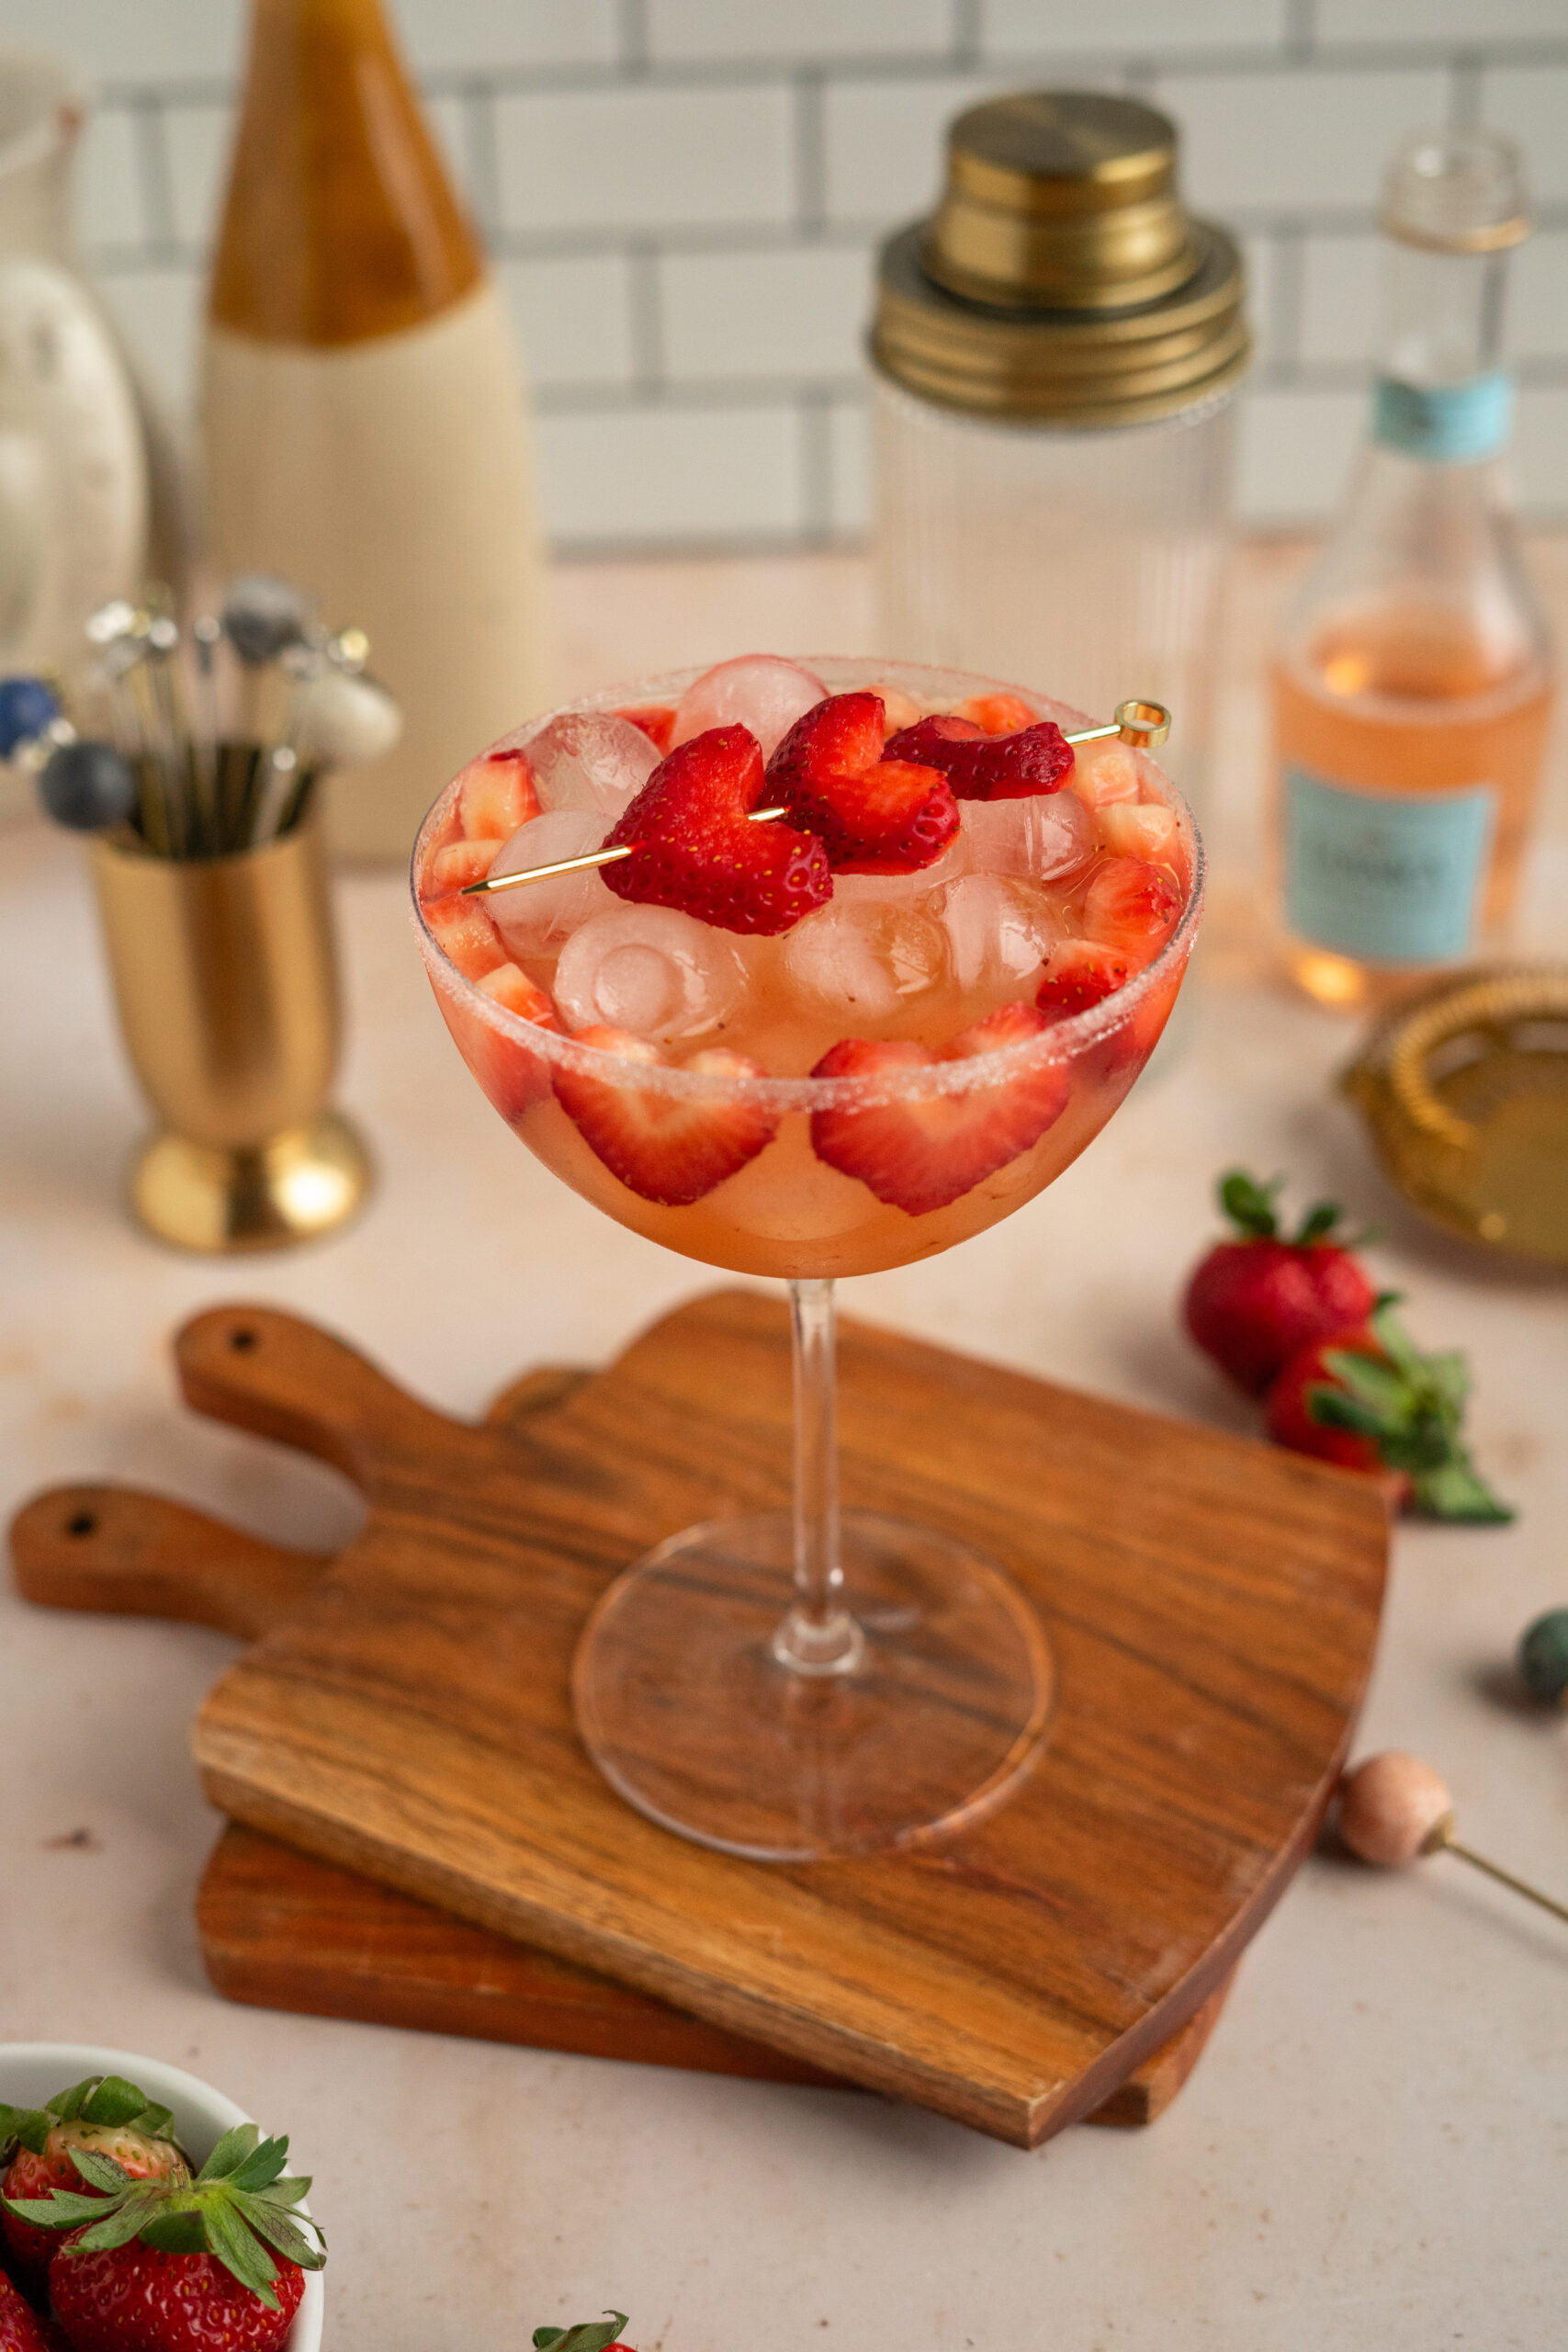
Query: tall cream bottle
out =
(364, 412)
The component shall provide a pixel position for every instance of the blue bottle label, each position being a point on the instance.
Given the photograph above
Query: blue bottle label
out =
(1389, 877)
(1448, 424)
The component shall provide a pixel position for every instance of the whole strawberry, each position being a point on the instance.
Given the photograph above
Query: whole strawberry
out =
(1253, 1302)
(181, 2266)
(103, 2114)
(588, 2335)
(1368, 1400)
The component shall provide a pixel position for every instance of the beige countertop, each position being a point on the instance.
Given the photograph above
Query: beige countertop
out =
(1374, 2148)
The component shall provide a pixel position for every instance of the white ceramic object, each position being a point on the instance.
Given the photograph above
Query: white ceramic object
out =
(31, 2072)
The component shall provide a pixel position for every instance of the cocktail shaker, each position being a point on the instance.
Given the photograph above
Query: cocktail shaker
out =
(1055, 356)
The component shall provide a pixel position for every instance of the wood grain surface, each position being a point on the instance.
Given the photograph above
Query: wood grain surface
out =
(284, 1931)
(1212, 1606)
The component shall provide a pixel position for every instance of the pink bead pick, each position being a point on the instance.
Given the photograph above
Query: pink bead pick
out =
(1389, 1805)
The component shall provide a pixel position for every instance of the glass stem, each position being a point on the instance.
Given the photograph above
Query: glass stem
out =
(819, 1636)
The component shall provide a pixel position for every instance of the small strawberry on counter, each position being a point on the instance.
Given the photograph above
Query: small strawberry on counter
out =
(1254, 1302)
(1368, 1400)
(103, 2113)
(588, 2335)
(179, 2265)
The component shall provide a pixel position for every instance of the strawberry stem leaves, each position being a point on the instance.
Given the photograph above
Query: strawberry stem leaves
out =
(1411, 1406)
(240, 2204)
(588, 2335)
(104, 2099)
(1250, 1208)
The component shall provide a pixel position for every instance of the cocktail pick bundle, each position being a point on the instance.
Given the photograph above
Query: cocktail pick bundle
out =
(204, 743)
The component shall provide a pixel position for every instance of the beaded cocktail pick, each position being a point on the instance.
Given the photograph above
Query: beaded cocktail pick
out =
(1143, 724)
(1393, 1809)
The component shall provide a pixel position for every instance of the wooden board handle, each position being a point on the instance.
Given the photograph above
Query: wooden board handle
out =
(281, 1378)
(139, 1555)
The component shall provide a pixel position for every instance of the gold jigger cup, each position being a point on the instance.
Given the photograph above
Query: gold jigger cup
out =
(225, 980)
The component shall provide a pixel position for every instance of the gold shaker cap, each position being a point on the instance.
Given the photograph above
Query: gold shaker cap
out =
(1465, 1089)
(1060, 278)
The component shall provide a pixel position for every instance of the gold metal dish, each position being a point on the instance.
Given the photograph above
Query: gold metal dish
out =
(1465, 1088)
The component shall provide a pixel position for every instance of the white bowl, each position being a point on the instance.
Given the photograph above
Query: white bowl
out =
(31, 2072)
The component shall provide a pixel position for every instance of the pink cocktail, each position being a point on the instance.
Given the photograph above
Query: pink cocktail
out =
(837, 1041)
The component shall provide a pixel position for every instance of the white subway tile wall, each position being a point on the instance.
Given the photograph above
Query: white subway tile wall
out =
(684, 199)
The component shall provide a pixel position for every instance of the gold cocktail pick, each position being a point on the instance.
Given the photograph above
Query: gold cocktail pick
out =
(1393, 1809)
(1142, 724)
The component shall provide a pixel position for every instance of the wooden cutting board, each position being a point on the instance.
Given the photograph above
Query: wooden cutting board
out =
(1212, 1606)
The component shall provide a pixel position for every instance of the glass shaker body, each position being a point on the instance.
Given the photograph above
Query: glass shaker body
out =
(1085, 561)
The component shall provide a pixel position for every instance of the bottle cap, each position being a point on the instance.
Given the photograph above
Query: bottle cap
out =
(1060, 278)
(1465, 1089)
(1457, 192)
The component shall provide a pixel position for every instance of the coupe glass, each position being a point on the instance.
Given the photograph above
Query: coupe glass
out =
(810, 1682)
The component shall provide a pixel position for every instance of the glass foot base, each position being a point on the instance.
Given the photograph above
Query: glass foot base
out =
(689, 1712)
(299, 1185)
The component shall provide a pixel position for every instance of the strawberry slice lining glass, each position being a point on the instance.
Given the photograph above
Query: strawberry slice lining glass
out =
(840, 1038)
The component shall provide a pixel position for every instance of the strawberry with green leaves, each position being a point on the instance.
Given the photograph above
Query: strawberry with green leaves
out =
(1368, 1400)
(588, 2335)
(103, 2113)
(181, 2266)
(1256, 1299)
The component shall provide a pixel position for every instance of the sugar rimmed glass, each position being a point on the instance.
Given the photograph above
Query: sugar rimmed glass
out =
(813, 1682)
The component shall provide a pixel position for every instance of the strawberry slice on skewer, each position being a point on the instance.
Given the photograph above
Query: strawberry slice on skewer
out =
(873, 814)
(988, 767)
(697, 850)
(919, 1151)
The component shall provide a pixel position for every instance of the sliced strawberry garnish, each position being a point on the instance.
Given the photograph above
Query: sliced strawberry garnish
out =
(656, 720)
(917, 1151)
(988, 767)
(1131, 905)
(1079, 973)
(872, 815)
(671, 1147)
(465, 933)
(495, 795)
(511, 1076)
(998, 714)
(697, 851)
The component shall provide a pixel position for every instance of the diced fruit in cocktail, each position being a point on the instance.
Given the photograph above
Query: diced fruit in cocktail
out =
(695, 848)
(656, 720)
(460, 863)
(1105, 773)
(988, 767)
(873, 815)
(997, 714)
(860, 959)
(1044, 838)
(999, 931)
(539, 917)
(465, 934)
(1138, 829)
(652, 970)
(512, 1077)
(495, 795)
(899, 710)
(919, 1150)
(758, 691)
(1081, 973)
(670, 1145)
(1130, 904)
(590, 760)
